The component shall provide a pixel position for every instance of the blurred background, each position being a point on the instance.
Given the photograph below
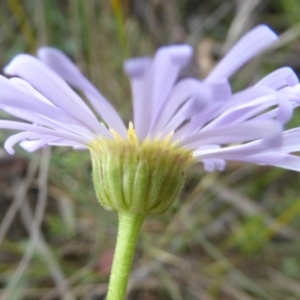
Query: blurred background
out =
(231, 235)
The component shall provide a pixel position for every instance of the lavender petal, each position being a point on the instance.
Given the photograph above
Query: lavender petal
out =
(47, 132)
(137, 70)
(269, 131)
(190, 90)
(53, 88)
(251, 44)
(64, 67)
(280, 78)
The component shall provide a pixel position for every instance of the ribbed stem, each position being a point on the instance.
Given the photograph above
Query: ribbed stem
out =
(129, 227)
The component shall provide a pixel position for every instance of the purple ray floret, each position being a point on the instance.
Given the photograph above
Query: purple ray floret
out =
(203, 116)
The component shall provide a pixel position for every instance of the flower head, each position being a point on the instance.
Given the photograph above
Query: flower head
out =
(181, 116)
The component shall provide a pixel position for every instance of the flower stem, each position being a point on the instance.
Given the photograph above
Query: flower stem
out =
(129, 227)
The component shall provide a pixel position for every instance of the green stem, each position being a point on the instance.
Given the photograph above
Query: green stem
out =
(129, 227)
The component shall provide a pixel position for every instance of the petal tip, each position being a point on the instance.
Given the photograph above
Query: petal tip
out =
(267, 32)
(136, 67)
(17, 62)
(181, 54)
(43, 53)
(10, 150)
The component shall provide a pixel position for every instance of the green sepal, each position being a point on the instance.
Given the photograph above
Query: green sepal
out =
(141, 177)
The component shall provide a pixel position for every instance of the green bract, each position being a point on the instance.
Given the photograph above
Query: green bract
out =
(141, 177)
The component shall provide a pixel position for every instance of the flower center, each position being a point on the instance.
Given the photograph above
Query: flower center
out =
(138, 176)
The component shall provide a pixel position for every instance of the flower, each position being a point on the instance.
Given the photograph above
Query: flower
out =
(177, 121)
(204, 117)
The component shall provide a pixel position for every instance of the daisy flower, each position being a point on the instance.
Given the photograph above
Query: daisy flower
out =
(177, 121)
(202, 116)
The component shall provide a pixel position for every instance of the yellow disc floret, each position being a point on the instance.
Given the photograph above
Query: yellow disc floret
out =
(138, 176)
